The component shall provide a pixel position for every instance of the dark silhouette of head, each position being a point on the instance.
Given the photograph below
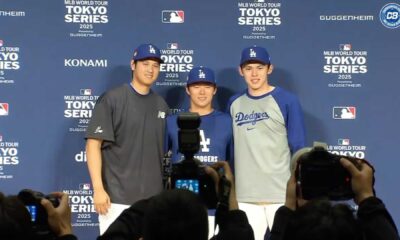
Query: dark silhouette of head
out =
(176, 215)
(15, 221)
(321, 220)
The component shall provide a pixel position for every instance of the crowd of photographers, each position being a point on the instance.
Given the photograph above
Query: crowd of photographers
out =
(179, 214)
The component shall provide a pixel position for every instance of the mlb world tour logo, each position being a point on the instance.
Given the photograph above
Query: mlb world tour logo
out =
(9, 58)
(177, 60)
(83, 11)
(79, 106)
(81, 203)
(9, 153)
(259, 13)
(345, 62)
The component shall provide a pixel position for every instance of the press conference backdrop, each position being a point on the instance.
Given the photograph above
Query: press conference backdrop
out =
(57, 57)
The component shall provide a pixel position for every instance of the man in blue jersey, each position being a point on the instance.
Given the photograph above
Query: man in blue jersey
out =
(215, 127)
(268, 128)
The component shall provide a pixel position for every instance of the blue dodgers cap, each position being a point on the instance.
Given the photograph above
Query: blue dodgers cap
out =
(255, 53)
(201, 74)
(145, 51)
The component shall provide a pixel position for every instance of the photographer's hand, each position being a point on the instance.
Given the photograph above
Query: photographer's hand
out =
(59, 218)
(291, 197)
(233, 204)
(361, 179)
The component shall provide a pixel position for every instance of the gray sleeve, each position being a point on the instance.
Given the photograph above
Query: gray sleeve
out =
(101, 123)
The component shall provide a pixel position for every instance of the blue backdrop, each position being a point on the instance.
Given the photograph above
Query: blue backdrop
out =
(340, 57)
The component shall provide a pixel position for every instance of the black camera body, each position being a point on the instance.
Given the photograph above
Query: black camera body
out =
(319, 173)
(31, 199)
(190, 173)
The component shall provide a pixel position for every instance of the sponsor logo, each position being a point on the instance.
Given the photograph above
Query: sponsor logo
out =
(345, 18)
(98, 130)
(4, 109)
(346, 64)
(161, 114)
(346, 149)
(390, 15)
(344, 112)
(176, 61)
(258, 17)
(251, 118)
(173, 16)
(85, 17)
(80, 108)
(4, 13)
(75, 62)
(81, 157)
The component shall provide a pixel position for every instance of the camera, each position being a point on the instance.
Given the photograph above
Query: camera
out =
(31, 199)
(319, 174)
(190, 173)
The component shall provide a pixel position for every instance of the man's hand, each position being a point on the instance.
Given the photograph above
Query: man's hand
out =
(59, 218)
(101, 201)
(361, 179)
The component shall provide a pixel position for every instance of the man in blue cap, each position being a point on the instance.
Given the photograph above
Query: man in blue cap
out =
(268, 128)
(215, 127)
(125, 140)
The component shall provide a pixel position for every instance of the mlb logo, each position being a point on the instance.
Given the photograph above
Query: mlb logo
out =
(173, 16)
(84, 186)
(345, 47)
(1, 43)
(344, 113)
(259, 1)
(172, 45)
(86, 92)
(4, 109)
(344, 141)
(1, 138)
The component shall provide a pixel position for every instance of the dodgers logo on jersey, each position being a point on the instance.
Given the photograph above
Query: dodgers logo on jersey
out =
(251, 118)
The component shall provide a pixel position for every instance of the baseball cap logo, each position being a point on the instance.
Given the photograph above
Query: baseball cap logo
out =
(152, 50)
(201, 74)
(252, 53)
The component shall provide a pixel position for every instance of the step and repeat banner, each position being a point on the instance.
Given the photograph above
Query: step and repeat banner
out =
(57, 57)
